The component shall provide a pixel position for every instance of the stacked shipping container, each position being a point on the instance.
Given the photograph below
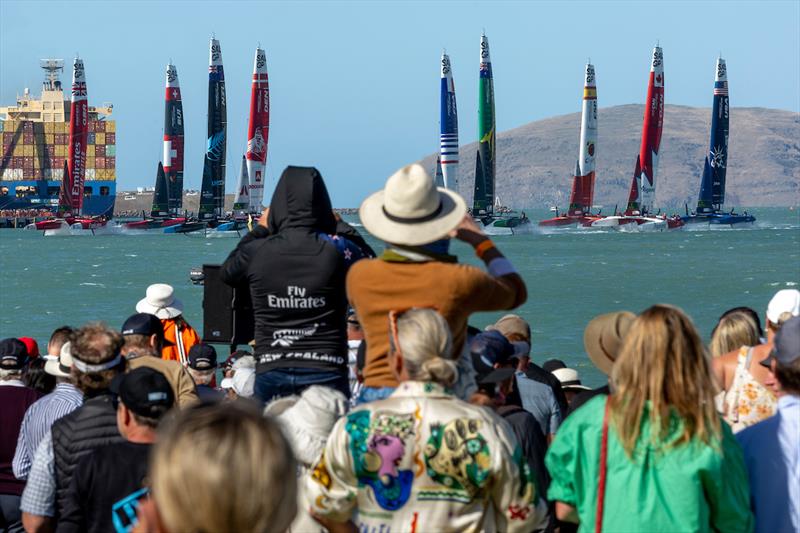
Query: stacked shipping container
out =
(37, 150)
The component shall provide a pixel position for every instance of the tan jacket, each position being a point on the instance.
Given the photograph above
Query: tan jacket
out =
(423, 460)
(178, 377)
(375, 287)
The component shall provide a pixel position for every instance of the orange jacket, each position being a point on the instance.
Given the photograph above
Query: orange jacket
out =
(182, 336)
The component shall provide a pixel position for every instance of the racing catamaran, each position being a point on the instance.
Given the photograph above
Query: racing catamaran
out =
(582, 195)
(639, 211)
(712, 184)
(499, 221)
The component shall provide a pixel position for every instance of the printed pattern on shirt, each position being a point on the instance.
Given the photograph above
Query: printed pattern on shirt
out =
(457, 456)
(378, 447)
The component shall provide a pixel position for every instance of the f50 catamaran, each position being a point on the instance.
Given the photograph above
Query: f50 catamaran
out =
(712, 184)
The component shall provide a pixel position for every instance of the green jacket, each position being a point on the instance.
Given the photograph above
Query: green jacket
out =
(691, 487)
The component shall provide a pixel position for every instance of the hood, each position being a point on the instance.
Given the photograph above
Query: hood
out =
(301, 200)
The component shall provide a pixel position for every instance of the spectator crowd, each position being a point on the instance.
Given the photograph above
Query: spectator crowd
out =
(366, 401)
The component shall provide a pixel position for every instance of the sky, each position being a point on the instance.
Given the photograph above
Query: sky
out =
(354, 86)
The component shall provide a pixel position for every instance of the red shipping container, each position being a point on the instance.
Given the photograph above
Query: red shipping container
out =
(16, 162)
(100, 150)
(27, 162)
(101, 126)
(27, 173)
(60, 138)
(111, 162)
(27, 137)
(111, 138)
(100, 162)
(27, 126)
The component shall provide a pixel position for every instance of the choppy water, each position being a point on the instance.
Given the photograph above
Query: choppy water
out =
(572, 276)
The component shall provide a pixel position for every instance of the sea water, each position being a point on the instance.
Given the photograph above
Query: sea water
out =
(572, 276)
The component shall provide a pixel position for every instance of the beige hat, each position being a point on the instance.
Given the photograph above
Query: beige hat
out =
(160, 301)
(60, 366)
(603, 338)
(512, 324)
(411, 210)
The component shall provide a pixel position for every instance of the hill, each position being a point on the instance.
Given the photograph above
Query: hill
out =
(535, 161)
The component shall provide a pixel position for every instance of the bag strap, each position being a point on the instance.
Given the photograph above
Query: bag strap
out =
(601, 484)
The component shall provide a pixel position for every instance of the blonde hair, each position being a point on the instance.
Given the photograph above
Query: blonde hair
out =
(223, 467)
(732, 332)
(663, 368)
(423, 338)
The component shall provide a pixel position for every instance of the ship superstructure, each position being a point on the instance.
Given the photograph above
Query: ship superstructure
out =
(35, 146)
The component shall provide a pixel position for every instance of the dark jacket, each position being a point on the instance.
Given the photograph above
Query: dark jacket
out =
(296, 273)
(77, 434)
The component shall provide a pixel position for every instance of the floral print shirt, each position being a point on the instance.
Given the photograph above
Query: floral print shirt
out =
(423, 460)
(747, 401)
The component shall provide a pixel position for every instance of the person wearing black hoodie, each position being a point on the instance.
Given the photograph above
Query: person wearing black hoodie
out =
(295, 268)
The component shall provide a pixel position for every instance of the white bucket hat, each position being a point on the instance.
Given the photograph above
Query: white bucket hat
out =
(308, 419)
(62, 365)
(242, 382)
(160, 301)
(411, 210)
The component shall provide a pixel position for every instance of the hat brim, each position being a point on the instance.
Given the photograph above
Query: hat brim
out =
(171, 311)
(576, 387)
(53, 367)
(497, 375)
(592, 342)
(379, 225)
(767, 361)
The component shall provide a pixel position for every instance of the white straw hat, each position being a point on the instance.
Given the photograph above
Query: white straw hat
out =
(62, 365)
(160, 301)
(411, 210)
(569, 379)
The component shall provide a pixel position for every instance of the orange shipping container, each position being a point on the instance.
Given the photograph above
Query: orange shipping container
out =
(111, 125)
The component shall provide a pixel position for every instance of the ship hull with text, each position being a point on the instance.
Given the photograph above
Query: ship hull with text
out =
(35, 140)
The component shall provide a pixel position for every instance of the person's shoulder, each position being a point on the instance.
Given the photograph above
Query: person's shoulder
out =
(754, 435)
(590, 412)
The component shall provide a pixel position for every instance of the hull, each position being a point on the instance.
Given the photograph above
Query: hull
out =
(186, 227)
(567, 220)
(720, 219)
(153, 224)
(504, 225)
(636, 223)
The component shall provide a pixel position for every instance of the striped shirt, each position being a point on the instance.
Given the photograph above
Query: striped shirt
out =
(38, 419)
(39, 496)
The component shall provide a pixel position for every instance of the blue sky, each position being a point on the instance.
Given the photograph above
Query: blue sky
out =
(354, 85)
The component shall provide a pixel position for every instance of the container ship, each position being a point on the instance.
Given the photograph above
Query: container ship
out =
(35, 135)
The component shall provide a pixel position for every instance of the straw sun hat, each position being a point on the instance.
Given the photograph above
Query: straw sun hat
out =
(411, 210)
(160, 301)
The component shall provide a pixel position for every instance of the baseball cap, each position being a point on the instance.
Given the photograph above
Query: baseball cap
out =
(784, 301)
(511, 324)
(490, 348)
(202, 357)
(32, 346)
(569, 379)
(13, 354)
(145, 324)
(786, 346)
(144, 391)
(497, 375)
